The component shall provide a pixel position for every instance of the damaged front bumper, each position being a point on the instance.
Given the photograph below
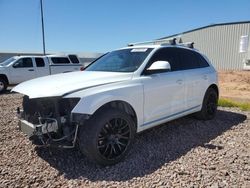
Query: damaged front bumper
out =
(26, 127)
(46, 132)
(43, 134)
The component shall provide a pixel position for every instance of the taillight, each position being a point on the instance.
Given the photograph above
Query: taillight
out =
(82, 69)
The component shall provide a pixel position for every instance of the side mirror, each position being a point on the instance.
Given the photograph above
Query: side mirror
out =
(15, 65)
(158, 67)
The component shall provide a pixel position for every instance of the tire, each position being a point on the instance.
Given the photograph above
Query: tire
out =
(209, 105)
(3, 85)
(107, 136)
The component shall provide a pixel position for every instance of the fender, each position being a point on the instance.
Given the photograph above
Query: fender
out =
(94, 98)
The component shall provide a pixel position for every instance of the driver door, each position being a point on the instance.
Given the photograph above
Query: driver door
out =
(22, 70)
(164, 93)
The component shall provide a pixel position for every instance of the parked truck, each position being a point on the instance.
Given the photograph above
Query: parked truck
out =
(21, 68)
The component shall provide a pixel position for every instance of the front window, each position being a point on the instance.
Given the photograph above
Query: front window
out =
(126, 60)
(23, 63)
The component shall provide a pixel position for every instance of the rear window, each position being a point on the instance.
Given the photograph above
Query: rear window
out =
(39, 62)
(74, 59)
(60, 60)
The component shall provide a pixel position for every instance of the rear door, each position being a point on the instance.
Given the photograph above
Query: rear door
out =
(23, 69)
(196, 71)
(42, 67)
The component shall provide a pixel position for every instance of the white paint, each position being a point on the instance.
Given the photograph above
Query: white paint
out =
(21, 74)
(155, 98)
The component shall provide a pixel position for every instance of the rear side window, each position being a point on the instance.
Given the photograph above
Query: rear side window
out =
(202, 61)
(60, 60)
(39, 62)
(188, 59)
(167, 54)
(74, 59)
(23, 63)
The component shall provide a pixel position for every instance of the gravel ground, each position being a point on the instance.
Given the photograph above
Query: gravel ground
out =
(182, 153)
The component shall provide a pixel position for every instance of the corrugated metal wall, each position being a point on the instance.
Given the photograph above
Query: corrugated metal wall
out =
(221, 44)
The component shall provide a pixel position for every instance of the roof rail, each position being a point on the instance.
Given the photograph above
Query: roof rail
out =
(168, 42)
(173, 41)
(147, 42)
(186, 44)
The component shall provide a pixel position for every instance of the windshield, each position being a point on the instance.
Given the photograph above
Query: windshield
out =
(126, 60)
(8, 61)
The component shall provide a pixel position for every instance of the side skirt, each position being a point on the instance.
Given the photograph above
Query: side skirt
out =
(165, 119)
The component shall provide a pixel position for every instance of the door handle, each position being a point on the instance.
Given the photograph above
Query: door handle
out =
(205, 77)
(30, 69)
(179, 81)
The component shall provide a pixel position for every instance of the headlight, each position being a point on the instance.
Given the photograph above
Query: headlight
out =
(79, 118)
(66, 105)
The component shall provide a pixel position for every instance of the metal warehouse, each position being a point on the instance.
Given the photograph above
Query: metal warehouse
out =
(225, 44)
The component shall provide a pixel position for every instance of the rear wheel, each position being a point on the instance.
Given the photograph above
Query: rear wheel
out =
(3, 85)
(107, 136)
(209, 105)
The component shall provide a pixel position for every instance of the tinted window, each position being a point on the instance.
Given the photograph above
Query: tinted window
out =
(166, 54)
(74, 59)
(60, 60)
(201, 60)
(23, 62)
(39, 62)
(188, 59)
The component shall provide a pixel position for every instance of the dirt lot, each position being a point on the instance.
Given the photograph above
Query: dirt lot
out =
(182, 153)
(235, 85)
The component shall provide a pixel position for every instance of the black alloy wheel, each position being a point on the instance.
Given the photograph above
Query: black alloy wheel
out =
(114, 138)
(209, 105)
(107, 136)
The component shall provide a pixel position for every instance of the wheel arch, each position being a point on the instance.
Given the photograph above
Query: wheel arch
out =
(3, 76)
(215, 87)
(121, 105)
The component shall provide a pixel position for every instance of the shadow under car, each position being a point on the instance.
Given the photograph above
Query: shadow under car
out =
(151, 149)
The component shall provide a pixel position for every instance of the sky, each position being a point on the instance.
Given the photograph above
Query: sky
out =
(104, 25)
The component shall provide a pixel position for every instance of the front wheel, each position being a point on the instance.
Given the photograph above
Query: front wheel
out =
(209, 105)
(3, 85)
(107, 136)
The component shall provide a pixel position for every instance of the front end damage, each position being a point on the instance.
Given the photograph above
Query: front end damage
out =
(49, 121)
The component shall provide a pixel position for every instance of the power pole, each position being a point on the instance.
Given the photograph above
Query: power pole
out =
(41, 6)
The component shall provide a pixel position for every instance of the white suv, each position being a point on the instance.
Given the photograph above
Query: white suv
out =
(122, 93)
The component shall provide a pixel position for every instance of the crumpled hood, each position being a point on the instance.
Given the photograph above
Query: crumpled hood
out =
(64, 83)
